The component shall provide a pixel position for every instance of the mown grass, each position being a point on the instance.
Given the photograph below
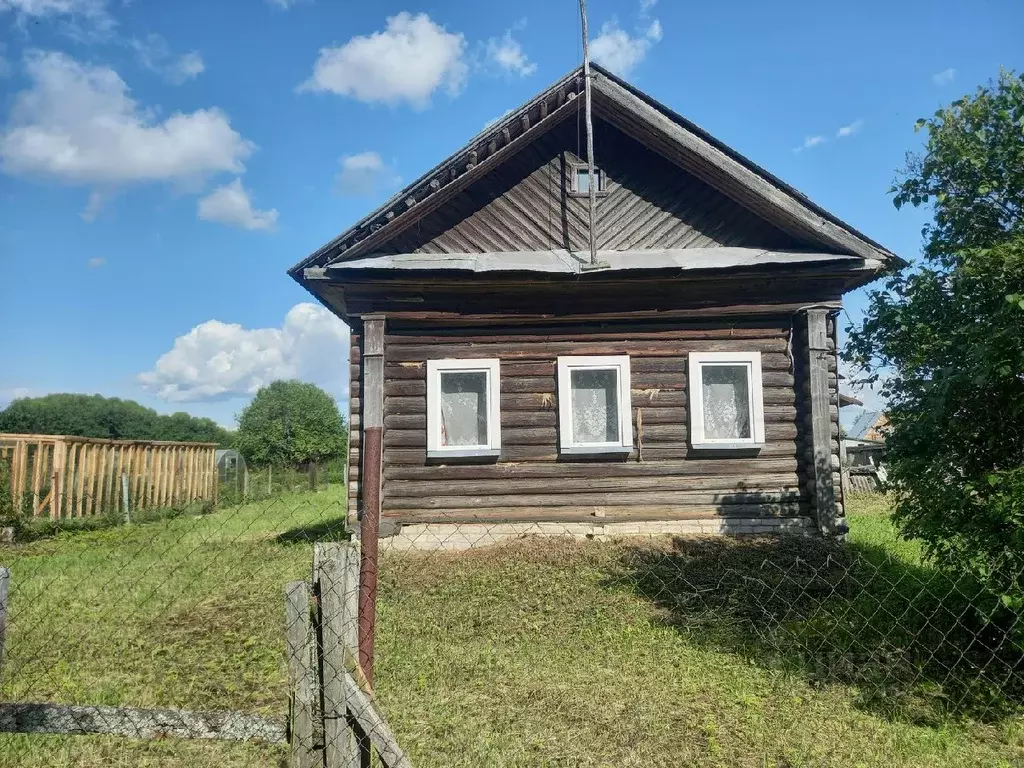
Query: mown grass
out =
(539, 653)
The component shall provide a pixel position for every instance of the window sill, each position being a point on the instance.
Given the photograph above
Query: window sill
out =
(727, 446)
(484, 454)
(593, 450)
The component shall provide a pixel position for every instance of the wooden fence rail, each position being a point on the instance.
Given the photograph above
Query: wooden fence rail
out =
(64, 476)
(333, 719)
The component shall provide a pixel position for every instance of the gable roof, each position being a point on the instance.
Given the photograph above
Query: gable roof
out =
(666, 132)
(863, 424)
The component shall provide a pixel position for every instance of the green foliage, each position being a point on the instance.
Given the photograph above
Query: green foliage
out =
(106, 417)
(947, 340)
(972, 170)
(290, 423)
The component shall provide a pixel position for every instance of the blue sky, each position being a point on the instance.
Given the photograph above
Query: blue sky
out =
(162, 164)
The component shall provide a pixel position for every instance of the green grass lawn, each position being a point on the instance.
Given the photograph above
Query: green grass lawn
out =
(538, 653)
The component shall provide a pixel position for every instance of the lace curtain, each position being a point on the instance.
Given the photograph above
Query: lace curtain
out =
(595, 406)
(726, 401)
(463, 402)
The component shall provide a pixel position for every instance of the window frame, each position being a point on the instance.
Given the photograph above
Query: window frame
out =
(490, 366)
(618, 363)
(602, 180)
(695, 363)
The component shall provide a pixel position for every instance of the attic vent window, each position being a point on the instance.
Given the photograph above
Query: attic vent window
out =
(579, 180)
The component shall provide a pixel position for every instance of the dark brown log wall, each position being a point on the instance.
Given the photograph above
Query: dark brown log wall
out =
(664, 479)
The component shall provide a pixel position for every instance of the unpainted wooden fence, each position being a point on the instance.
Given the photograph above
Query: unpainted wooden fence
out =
(64, 476)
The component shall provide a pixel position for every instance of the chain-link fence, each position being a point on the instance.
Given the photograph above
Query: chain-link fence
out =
(210, 637)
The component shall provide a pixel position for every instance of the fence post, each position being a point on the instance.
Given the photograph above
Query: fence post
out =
(270, 479)
(370, 482)
(339, 744)
(297, 633)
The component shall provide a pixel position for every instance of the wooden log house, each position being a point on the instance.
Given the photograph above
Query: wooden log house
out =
(685, 382)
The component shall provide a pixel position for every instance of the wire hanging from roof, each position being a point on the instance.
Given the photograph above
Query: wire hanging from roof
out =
(591, 176)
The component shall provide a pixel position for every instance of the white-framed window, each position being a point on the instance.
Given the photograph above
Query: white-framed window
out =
(726, 402)
(594, 409)
(463, 408)
(579, 180)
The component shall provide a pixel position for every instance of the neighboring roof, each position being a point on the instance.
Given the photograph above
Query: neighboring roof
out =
(618, 102)
(565, 262)
(863, 424)
(845, 399)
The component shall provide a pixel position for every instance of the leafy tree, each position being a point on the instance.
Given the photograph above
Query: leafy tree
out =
(291, 423)
(106, 417)
(947, 340)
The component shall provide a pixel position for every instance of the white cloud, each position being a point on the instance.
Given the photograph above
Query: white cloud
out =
(96, 262)
(810, 142)
(218, 360)
(620, 52)
(83, 19)
(646, 5)
(945, 77)
(507, 54)
(849, 130)
(408, 61)
(284, 5)
(365, 174)
(230, 204)
(77, 124)
(154, 54)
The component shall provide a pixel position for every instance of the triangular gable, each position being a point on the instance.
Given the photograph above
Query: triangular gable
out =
(634, 114)
(527, 204)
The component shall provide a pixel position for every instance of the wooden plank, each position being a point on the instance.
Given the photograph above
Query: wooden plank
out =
(677, 334)
(38, 468)
(340, 749)
(102, 477)
(134, 723)
(299, 644)
(60, 451)
(522, 350)
(417, 457)
(596, 514)
(734, 469)
(78, 477)
(621, 498)
(737, 484)
(374, 725)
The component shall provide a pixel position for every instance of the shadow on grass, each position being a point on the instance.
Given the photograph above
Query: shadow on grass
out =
(912, 642)
(325, 530)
